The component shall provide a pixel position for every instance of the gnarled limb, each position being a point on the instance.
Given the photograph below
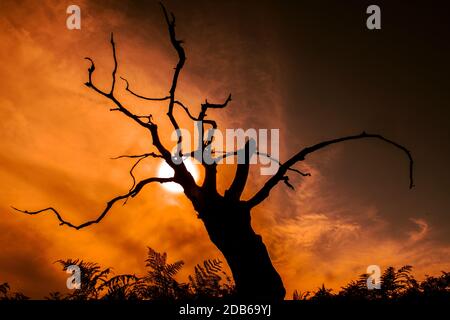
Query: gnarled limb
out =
(234, 153)
(152, 127)
(110, 95)
(127, 88)
(109, 204)
(264, 192)
(202, 115)
(140, 157)
(240, 178)
(176, 102)
(208, 105)
(181, 60)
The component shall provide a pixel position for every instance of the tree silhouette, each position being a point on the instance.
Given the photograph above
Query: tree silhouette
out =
(226, 217)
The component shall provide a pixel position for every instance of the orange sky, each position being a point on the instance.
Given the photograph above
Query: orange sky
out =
(58, 137)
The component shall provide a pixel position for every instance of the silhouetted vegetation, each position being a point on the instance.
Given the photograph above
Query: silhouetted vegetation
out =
(396, 285)
(210, 281)
(6, 294)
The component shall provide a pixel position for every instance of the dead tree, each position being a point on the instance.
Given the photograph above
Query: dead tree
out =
(226, 217)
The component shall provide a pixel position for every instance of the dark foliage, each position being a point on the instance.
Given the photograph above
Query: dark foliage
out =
(210, 281)
(396, 285)
(6, 294)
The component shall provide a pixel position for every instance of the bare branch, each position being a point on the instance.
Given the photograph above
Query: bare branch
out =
(109, 204)
(149, 118)
(202, 115)
(140, 158)
(181, 60)
(140, 96)
(179, 103)
(234, 153)
(199, 118)
(115, 65)
(304, 174)
(208, 105)
(210, 138)
(176, 102)
(110, 95)
(151, 154)
(148, 125)
(263, 193)
(286, 181)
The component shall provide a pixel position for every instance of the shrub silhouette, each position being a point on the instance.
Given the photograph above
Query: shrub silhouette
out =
(6, 294)
(210, 281)
(396, 285)
(160, 281)
(207, 281)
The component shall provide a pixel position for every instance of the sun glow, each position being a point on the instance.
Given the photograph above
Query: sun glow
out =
(165, 171)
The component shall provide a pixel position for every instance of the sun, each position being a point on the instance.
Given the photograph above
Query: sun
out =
(165, 171)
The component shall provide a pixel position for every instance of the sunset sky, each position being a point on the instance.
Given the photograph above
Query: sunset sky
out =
(312, 70)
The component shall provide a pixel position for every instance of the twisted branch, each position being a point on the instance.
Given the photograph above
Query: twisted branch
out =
(127, 88)
(132, 193)
(264, 192)
(140, 158)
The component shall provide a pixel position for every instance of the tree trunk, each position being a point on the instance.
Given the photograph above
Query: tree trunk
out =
(229, 228)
